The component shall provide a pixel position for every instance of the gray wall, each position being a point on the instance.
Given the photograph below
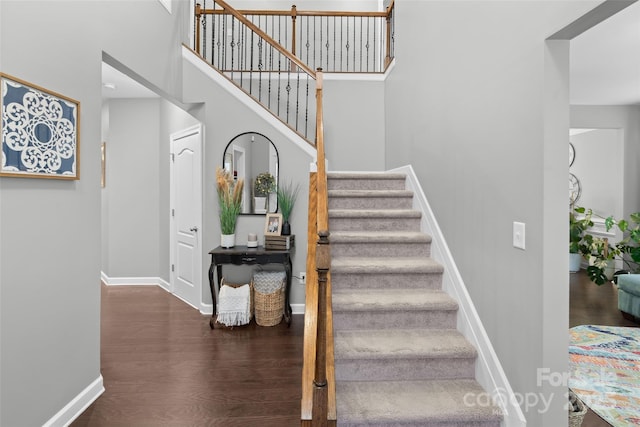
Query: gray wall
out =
(135, 238)
(50, 245)
(485, 128)
(626, 118)
(354, 124)
(224, 117)
(133, 189)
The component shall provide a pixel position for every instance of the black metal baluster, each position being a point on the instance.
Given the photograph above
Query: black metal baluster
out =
(306, 112)
(354, 43)
(260, 66)
(328, 44)
(334, 43)
(375, 44)
(288, 89)
(232, 44)
(361, 21)
(251, 65)
(307, 44)
(203, 24)
(270, 66)
(320, 44)
(279, 83)
(347, 46)
(297, 98)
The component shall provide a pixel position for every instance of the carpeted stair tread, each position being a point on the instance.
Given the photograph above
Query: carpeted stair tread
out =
(392, 299)
(401, 344)
(371, 193)
(437, 403)
(366, 175)
(371, 265)
(379, 237)
(374, 213)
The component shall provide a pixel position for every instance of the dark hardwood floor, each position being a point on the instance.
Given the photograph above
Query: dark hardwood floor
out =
(163, 366)
(590, 304)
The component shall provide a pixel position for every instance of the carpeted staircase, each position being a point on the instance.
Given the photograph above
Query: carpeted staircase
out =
(399, 360)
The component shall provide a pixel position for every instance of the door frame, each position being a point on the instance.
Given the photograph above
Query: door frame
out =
(199, 130)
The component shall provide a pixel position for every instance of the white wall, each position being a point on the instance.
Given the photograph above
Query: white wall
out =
(627, 119)
(599, 165)
(478, 104)
(50, 245)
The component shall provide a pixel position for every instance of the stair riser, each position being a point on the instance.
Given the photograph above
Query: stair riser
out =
(436, 319)
(365, 184)
(366, 249)
(370, 202)
(403, 369)
(374, 224)
(386, 281)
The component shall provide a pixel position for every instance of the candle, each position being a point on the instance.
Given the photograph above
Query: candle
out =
(252, 240)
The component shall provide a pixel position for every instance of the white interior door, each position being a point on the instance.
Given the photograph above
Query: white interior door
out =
(186, 215)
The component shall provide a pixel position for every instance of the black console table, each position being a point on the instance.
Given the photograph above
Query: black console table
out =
(242, 255)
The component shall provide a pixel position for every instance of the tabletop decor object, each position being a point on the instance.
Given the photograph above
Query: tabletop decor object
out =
(230, 205)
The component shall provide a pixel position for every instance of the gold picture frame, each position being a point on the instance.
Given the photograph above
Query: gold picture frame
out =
(41, 138)
(273, 224)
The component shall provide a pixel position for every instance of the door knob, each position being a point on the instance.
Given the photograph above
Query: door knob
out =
(194, 229)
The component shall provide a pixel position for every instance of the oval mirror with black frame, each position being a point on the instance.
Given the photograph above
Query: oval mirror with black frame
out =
(248, 156)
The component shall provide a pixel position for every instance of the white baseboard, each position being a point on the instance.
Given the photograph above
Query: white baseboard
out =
(77, 406)
(489, 372)
(137, 281)
(297, 308)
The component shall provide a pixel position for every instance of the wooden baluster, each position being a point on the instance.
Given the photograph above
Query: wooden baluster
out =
(198, 14)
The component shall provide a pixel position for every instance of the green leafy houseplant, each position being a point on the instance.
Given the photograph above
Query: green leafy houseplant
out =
(600, 252)
(264, 184)
(229, 199)
(287, 195)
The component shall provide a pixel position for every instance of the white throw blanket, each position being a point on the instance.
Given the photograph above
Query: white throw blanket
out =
(234, 305)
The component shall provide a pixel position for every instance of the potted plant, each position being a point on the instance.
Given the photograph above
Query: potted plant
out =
(577, 227)
(602, 254)
(287, 195)
(263, 185)
(230, 205)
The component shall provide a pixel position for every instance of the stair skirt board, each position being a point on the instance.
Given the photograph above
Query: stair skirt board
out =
(395, 327)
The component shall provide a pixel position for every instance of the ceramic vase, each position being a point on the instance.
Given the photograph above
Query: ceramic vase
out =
(228, 240)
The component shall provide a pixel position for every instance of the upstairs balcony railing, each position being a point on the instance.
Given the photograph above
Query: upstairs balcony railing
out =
(258, 65)
(336, 41)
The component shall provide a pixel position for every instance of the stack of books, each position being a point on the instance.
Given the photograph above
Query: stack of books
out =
(279, 242)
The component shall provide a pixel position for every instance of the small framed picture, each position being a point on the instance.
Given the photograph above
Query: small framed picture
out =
(273, 224)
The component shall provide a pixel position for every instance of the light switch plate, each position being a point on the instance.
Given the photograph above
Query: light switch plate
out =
(519, 235)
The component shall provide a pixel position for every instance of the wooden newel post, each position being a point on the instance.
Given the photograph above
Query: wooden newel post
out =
(387, 58)
(320, 391)
(294, 15)
(198, 14)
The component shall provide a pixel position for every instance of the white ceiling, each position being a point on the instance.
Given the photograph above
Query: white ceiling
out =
(123, 86)
(605, 61)
(605, 65)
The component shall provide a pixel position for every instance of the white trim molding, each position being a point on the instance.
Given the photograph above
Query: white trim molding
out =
(78, 405)
(137, 281)
(489, 372)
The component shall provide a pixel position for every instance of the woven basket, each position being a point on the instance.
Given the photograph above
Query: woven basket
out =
(268, 306)
(575, 418)
(223, 282)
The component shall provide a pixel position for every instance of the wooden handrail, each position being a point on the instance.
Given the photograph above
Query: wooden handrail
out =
(240, 17)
